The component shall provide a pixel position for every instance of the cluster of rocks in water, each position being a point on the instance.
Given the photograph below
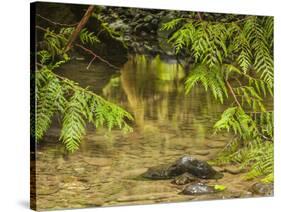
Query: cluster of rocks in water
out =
(193, 173)
(186, 170)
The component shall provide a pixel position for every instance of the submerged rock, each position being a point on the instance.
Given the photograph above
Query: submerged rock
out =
(233, 169)
(185, 164)
(161, 172)
(198, 168)
(198, 189)
(184, 179)
(265, 189)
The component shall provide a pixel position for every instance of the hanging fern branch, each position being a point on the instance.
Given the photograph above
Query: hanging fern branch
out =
(234, 60)
(56, 94)
(249, 42)
(210, 78)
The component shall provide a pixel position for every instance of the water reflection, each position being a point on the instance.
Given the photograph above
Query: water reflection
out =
(153, 90)
(168, 124)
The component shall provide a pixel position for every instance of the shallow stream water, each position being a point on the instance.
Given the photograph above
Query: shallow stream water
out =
(168, 124)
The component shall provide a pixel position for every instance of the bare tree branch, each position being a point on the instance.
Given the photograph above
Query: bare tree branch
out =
(79, 27)
(96, 56)
(232, 93)
(56, 23)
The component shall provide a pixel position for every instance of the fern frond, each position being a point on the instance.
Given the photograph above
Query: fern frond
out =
(49, 99)
(210, 79)
(88, 37)
(73, 126)
(171, 24)
(77, 105)
(236, 120)
(257, 36)
(240, 52)
(249, 95)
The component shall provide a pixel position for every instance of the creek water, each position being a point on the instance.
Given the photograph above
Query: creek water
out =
(168, 124)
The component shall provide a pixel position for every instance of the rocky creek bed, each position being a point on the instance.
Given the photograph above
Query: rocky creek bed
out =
(92, 179)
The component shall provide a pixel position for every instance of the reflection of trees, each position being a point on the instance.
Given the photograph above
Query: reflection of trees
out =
(129, 84)
(154, 90)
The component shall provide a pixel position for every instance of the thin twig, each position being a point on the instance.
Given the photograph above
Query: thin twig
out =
(41, 28)
(97, 56)
(56, 23)
(232, 93)
(39, 64)
(90, 63)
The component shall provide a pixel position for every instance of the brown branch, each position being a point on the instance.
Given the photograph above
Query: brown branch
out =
(56, 23)
(79, 27)
(232, 93)
(41, 28)
(96, 56)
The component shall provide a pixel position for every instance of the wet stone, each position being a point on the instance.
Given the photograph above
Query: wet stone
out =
(184, 179)
(185, 164)
(198, 189)
(233, 170)
(263, 189)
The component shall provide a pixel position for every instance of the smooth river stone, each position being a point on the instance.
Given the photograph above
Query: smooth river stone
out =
(198, 189)
(262, 189)
(233, 169)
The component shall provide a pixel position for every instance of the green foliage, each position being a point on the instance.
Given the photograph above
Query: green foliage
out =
(248, 42)
(235, 119)
(65, 99)
(255, 126)
(171, 24)
(249, 96)
(76, 105)
(219, 187)
(234, 60)
(258, 38)
(211, 78)
(257, 156)
(55, 43)
(88, 37)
